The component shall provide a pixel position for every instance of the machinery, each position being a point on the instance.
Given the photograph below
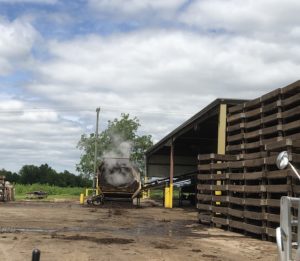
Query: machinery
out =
(117, 178)
(288, 223)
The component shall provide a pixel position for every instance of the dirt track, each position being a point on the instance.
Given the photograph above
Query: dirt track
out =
(67, 231)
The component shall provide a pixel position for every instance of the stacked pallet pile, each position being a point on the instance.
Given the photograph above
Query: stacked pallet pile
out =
(2, 188)
(251, 184)
(212, 188)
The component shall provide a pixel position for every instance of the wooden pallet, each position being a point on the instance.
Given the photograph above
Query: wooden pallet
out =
(2, 188)
(212, 187)
(250, 182)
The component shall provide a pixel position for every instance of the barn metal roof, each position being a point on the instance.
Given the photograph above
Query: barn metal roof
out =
(197, 118)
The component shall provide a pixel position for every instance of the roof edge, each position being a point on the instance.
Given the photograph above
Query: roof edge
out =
(191, 120)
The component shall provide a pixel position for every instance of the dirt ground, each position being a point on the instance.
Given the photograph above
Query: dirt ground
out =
(118, 231)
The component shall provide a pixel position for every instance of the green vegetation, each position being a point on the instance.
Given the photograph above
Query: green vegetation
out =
(53, 191)
(120, 139)
(158, 193)
(44, 174)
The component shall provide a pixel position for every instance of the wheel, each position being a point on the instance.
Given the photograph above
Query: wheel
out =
(98, 201)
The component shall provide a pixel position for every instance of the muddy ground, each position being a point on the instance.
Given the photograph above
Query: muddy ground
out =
(68, 231)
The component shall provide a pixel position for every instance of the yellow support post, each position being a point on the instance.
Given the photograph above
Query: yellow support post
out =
(171, 196)
(146, 193)
(81, 199)
(167, 197)
(221, 139)
(222, 129)
(170, 205)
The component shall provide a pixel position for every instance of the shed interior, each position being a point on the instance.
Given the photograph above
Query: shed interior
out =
(198, 135)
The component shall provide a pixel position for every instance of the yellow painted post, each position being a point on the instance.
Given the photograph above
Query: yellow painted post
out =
(222, 129)
(171, 196)
(221, 139)
(171, 174)
(81, 199)
(146, 193)
(167, 197)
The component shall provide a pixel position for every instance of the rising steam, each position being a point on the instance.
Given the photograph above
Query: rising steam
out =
(116, 168)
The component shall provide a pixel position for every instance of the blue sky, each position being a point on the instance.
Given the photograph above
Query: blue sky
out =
(161, 61)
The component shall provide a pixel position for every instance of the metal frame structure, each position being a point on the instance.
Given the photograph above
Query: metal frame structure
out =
(205, 131)
(284, 233)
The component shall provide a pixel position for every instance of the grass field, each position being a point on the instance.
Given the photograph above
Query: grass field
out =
(158, 193)
(54, 192)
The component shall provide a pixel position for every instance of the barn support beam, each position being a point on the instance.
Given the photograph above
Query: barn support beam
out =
(222, 129)
(221, 139)
(169, 189)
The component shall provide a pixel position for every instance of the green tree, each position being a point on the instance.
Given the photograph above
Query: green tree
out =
(9, 176)
(29, 174)
(119, 139)
(44, 174)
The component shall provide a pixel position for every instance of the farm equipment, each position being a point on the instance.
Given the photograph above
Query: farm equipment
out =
(117, 179)
(7, 191)
(36, 195)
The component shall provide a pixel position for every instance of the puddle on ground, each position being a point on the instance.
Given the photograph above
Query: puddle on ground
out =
(177, 229)
(105, 240)
(50, 230)
(169, 229)
(19, 230)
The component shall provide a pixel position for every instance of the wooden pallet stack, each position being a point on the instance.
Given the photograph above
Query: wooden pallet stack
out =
(256, 132)
(2, 188)
(212, 188)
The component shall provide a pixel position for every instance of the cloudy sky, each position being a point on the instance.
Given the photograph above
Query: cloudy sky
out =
(159, 60)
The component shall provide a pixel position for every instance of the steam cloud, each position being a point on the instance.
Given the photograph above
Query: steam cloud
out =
(117, 169)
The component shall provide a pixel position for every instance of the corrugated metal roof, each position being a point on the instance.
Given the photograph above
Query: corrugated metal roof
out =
(192, 120)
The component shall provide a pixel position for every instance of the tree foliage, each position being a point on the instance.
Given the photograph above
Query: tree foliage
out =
(118, 139)
(44, 174)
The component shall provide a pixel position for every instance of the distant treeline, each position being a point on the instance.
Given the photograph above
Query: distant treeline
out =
(30, 174)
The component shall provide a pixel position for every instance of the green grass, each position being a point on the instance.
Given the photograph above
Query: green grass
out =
(158, 193)
(54, 192)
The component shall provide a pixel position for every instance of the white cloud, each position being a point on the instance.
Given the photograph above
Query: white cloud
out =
(231, 49)
(29, 1)
(135, 6)
(154, 73)
(129, 67)
(256, 18)
(30, 136)
(16, 42)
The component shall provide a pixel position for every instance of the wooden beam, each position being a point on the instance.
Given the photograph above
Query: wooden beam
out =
(222, 129)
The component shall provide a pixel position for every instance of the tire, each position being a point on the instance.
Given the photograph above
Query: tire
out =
(98, 201)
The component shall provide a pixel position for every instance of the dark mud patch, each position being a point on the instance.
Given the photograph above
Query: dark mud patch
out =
(165, 220)
(118, 212)
(161, 245)
(104, 241)
(196, 250)
(209, 256)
